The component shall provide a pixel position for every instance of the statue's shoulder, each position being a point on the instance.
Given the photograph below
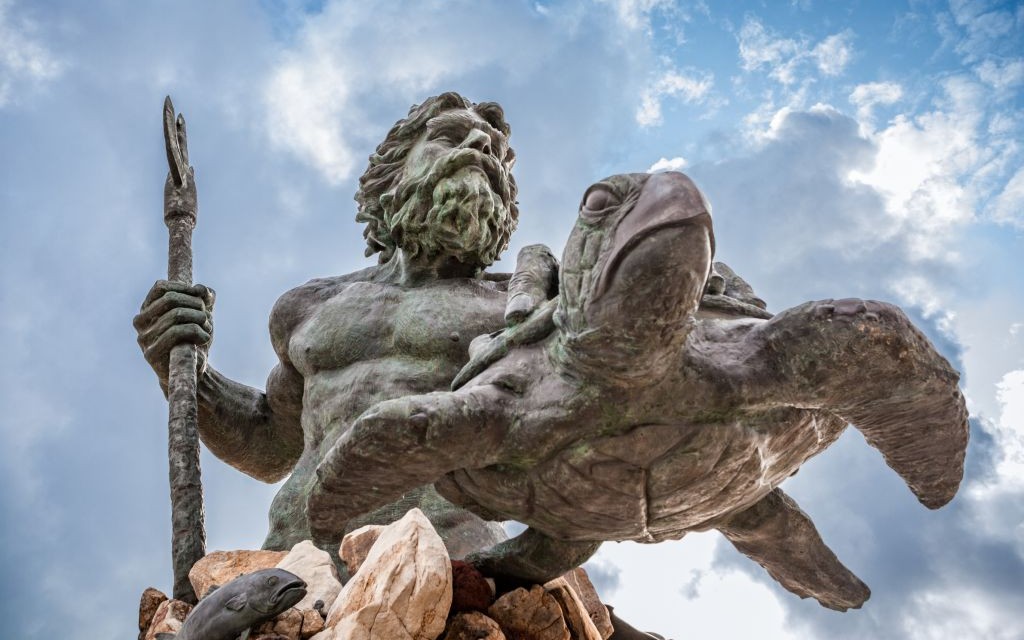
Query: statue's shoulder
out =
(295, 305)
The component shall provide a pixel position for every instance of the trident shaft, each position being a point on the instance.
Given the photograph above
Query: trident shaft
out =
(188, 532)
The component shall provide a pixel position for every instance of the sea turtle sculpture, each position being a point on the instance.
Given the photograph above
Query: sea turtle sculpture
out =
(641, 418)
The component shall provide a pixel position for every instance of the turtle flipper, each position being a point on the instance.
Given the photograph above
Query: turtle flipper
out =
(866, 362)
(398, 445)
(779, 536)
(532, 558)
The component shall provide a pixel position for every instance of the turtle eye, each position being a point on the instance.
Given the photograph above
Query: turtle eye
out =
(272, 581)
(598, 199)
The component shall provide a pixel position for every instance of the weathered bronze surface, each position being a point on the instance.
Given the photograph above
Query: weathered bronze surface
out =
(188, 537)
(653, 396)
(243, 603)
(641, 418)
(439, 205)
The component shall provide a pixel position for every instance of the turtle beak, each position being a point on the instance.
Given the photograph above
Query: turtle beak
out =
(667, 201)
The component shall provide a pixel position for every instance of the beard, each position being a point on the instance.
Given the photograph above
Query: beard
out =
(461, 209)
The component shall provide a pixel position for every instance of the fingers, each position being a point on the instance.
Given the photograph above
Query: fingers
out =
(174, 313)
(180, 334)
(163, 287)
(534, 281)
(174, 317)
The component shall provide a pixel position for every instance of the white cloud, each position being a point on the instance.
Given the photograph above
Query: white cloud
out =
(1002, 75)
(760, 47)
(634, 14)
(923, 165)
(833, 53)
(966, 613)
(306, 99)
(668, 164)
(674, 15)
(654, 597)
(980, 25)
(691, 87)
(1009, 428)
(1008, 206)
(866, 96)
(316, 94)
(24, 59)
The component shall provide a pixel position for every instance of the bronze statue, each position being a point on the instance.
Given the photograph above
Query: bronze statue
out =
(653, 396)
(239, 605)
(643, 416)
(438, 200)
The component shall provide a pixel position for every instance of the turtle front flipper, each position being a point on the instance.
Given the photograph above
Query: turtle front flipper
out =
(865, 362)
(398, 445)
(778, 535)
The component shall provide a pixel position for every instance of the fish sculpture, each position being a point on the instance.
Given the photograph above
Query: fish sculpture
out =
(248, 600)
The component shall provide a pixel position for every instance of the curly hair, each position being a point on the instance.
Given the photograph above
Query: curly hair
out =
(385, 170)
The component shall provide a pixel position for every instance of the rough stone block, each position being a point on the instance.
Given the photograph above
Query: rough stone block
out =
(533, 614)
(169, 617)
(402, 591)
(148, 604)
(473, 625)
(356, 545)
(220, 567)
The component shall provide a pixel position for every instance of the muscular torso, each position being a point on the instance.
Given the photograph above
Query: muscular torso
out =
(354, 341)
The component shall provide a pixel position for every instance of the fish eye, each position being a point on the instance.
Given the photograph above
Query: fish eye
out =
(272, 580)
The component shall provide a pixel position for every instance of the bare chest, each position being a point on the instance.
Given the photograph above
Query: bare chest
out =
(367, 321)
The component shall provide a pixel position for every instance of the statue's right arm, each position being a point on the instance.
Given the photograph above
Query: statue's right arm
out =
(258, 433)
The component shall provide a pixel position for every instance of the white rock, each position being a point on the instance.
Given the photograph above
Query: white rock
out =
(402, 591)
(356, 545)
(317, 569)
(169, 617)
(221, 567)
(580, 582)
(575, 613)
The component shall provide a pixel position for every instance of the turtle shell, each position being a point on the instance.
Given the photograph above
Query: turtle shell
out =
(653, 482)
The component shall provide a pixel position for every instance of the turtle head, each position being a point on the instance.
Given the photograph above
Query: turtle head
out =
(632, 275)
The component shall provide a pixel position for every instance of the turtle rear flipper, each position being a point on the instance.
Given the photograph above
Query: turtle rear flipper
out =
(865, 362)
(779, 536)
(430, 435)
(530, 558)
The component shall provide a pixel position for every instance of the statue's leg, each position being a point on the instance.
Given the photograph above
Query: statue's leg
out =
(532, 558)
(866, 362)
(779, 536)
(401, 444)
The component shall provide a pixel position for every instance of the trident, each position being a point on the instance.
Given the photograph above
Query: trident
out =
(188, 532)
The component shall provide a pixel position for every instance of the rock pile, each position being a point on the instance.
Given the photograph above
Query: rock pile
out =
(403, 587)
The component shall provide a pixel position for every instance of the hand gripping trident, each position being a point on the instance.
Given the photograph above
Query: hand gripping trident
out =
(188, 532)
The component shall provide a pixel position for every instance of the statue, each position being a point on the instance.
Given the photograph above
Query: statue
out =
(241, 604)
(653, 396)
(438, 200)
(643, 415)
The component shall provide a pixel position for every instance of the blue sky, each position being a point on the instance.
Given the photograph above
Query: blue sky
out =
(848, 149)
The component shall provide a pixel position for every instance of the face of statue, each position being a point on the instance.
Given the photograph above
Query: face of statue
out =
(454, 198)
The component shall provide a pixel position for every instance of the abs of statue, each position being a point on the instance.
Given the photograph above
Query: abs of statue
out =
(439, 205)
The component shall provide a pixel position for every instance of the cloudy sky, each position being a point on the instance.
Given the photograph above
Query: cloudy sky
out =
(848, 149)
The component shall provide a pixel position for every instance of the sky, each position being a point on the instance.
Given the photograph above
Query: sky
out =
(868, 149)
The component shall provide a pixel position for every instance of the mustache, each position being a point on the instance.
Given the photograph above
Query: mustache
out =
(449, 164)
